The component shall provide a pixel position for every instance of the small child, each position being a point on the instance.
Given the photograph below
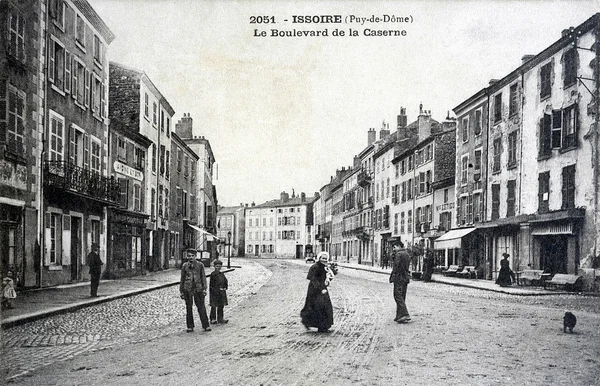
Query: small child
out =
(8, 291)
(217, 294)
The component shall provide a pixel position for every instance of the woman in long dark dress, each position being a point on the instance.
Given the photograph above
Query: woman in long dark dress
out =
(318, 311)
(506, 276)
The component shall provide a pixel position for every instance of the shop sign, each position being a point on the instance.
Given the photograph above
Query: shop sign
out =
(128, 171)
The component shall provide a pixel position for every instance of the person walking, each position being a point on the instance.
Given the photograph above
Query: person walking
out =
(95, 263)
(318, 311)
(192, 289)
(506, 276)
(8, 291)
(217, 294)
(400, 276)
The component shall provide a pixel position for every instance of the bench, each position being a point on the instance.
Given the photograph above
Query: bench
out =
(452, 270)
(468, 272)
(565, 281)
(530, 277)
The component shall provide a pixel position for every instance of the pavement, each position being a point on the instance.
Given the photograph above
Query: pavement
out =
(36, 304)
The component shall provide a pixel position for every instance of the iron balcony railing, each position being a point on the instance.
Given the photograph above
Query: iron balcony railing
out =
(64, 175)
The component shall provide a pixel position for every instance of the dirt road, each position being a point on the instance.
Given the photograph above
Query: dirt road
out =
(457, 336)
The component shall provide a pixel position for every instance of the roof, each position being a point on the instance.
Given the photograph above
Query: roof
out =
(90, 14)
(290, 202)
(229, 210)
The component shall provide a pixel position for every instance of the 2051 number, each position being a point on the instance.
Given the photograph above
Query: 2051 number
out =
(262, 19)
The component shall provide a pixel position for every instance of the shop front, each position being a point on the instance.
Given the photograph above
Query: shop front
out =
(126, 243)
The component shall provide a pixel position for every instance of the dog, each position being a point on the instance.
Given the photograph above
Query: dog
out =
(569, 321)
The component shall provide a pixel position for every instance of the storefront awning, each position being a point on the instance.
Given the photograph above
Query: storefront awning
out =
(209, 236)
(451, 239)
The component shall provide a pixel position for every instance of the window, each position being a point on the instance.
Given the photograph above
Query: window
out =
(137, 198)
(403, 191)
(402, 220)
(160, 200)
(422, 183)
(495, 201)
(57, 12)
(56, 137)
(98, 50)
(140, 158)
(464, 170)
(179, 159)
(154, 114)
(409, 222)
(428, 182)
(396, 223)
(543, 192)
(56, 64)
(154, 158)
(54, 235)
(15, 125)
(78, 81)
(545, 80)
(477, 207)
(469, 200)
(95, 155)
(568, 187)
(570, 67)
(80, 30)
(512, 149)
(570, 127)
(477, 161)
(387, 188)
(167, 164)
(409, 189)
(124, 190)
(510, 198)
(497, 152)
(465, 129)
(446, 195)
(184, 205)
(478, 122)
(403, 167)
(186, 165)
(168, 126)
(16, 36)
(512, 103)
(162, 160)
(546, 135)
(497, 107)
(397, 170)
(152, 203)
(146, 106)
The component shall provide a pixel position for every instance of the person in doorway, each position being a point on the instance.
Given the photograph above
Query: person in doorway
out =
(217, 294)
(318, 311)
(428, 265)
(192, 289)
(95, 264)
(506, 276)
(400, 276)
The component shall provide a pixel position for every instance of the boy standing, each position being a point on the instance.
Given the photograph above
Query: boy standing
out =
(218, 294)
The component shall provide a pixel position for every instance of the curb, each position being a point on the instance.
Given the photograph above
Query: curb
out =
(467, 285)
(26, 318)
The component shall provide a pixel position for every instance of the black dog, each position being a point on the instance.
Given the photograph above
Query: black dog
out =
(569, 321)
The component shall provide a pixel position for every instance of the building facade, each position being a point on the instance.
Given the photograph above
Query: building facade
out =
(231, 227)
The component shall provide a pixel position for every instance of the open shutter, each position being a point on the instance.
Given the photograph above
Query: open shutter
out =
(47, 240)
(51, 49)
(72, 145)
(88, 82)
(103, 112)
(86, 151)
(74, 78)
(67, 83)
(130, 153)
(3, 101)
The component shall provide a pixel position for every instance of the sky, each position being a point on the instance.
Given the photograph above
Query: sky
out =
(284, 113)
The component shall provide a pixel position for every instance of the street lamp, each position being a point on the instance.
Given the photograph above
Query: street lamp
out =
(229, 255)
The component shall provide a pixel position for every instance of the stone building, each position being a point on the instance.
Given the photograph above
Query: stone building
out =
(231, 226)
(21, 119)
(136, 103)
(77, 189)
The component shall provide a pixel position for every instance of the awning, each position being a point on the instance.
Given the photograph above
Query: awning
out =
(209, 236)
(451, 239)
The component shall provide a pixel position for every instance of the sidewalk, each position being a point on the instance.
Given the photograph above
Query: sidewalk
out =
(35, 304)
(482, 284)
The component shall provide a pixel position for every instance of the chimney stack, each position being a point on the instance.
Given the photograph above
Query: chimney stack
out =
(526, 58)
(303, 197)
(493, 81)
(402, 119)
(284, 197)
(184, 126)
(356, 162)
(372, 136)
(385, 130)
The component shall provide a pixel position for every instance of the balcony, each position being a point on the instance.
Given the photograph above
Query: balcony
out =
(363, 179)
(84, 182)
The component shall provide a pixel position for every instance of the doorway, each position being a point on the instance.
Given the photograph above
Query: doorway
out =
(553, 253)
(75, 247)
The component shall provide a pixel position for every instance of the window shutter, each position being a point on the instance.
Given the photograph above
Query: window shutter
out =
(103, 107)
(130, 153)
(51, 52)
(3, 100)
(72, 143)
(88, 82)
(74, 80)
(86, 151)
(67, 83)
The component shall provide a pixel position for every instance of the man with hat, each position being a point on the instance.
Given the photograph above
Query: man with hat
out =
(95, 263)
(192, 288)
(400, 276)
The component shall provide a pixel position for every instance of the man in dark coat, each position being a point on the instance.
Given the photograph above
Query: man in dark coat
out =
(95, 264)
(400, 277)
(317, 310)
(192, 288)
(217, 294)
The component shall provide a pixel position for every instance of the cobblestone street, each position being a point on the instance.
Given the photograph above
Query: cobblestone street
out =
(458, 336)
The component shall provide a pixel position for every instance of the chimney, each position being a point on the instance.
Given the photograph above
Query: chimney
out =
(384, 132)
(372, 136)
(246, 205)
(566, 31)
(252, 203)
(493, 81)
(402, 119)
(526, 58)
(356, 162)
(284, 197)
(302, 197)
(241, 204)
(183, 128)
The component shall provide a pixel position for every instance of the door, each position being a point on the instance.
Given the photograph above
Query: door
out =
(256, 250)
(553, 254)
(75, 247)
(298, 251)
